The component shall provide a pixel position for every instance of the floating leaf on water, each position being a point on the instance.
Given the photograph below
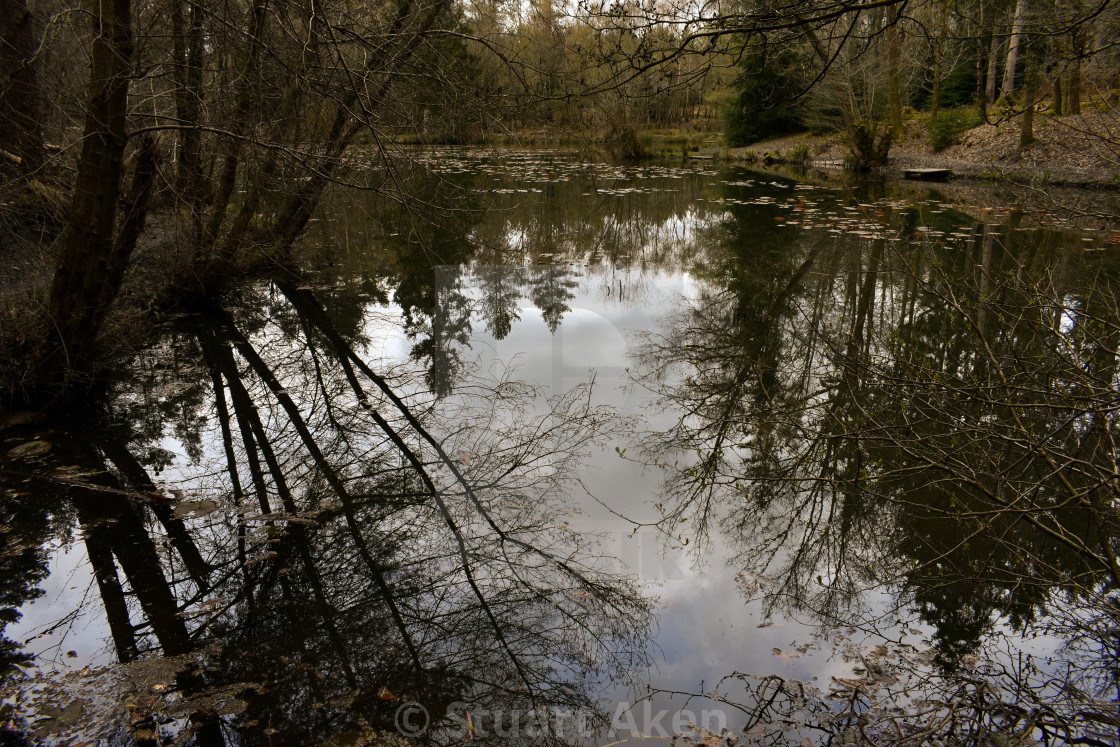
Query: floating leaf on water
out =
(29, 450)
(195, 509)
(280, 517)
(885, 679)
(61, 718)
(848, 684)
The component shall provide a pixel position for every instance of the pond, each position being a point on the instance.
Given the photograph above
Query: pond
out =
(594, 453)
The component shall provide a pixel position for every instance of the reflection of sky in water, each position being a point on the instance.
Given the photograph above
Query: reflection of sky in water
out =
(69, 587)
(705, 632)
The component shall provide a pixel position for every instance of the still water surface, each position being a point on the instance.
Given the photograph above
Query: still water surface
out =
(602, 451)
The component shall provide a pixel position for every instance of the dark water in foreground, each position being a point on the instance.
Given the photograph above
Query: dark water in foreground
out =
(616, 453)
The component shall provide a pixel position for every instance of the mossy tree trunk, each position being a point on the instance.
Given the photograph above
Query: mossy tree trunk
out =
(990, 80)
(869, 143)
(1073, 74)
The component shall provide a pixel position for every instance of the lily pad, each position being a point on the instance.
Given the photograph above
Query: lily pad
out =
(29, 449)
(195, 509)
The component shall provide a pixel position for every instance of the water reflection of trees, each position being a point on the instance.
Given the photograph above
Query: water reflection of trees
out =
(933, 421)
(513, 245)
(351, 541)
(489, 292)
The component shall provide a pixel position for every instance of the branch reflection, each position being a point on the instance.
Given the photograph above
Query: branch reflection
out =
(346, 542)
(894, 415)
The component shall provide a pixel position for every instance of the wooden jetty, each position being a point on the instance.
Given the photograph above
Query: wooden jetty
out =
(931, 175)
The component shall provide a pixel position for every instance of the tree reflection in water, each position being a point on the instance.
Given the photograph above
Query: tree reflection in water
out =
(347, 543)
(936, 423)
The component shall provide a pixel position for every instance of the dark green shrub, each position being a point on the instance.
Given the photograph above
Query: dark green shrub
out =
(767, 105)
(958, 88)
(949, 124)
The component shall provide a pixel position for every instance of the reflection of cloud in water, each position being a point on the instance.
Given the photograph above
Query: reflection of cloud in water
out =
(386, 338)
(588, 340)
(585, 340)
(69, 586)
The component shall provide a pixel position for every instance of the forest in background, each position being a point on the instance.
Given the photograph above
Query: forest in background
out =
(218, 126)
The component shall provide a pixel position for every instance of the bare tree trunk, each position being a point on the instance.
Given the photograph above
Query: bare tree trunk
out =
(243, 111)
(299, 208)
(91, 258)
(187, 38)
(938, 60)
(993, 66)
(20, 121)
(1073, 79)
(894, 89)
(1013, 49)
